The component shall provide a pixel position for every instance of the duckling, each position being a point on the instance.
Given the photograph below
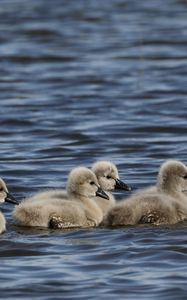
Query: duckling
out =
(76, 210)
(108, 178)
(163, 204)
(4, 197)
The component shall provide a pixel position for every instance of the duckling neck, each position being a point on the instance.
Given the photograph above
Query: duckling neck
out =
(88, 202)
(93, 211)
(169, 189)
(77, 196)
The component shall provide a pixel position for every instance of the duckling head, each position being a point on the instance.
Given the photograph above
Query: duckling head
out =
(172, 177)
(5, 196)
(83, 182)
(108, 177)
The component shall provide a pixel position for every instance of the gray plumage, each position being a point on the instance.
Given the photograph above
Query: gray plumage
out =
(164, 204)
(106, 173)
(75, 209)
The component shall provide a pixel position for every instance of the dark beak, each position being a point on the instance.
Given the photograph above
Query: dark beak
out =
(102, 194)
(11, 199)
(120, 185)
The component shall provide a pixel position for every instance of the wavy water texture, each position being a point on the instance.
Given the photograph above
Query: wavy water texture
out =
(81, 81)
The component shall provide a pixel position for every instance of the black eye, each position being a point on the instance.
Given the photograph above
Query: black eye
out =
(1, 190)
(92, 182)
(185, 177)
(108, 177)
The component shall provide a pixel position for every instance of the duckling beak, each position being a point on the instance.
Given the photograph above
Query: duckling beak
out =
(120, 185)
(102, 194)
(11, 199)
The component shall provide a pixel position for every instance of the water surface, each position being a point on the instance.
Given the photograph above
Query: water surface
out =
(82, 81)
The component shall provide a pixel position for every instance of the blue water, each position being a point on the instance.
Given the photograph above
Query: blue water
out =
(81, 81)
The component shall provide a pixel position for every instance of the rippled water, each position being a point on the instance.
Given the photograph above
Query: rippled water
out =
(80, 81)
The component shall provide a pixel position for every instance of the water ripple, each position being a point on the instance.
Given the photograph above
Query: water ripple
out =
(82, 81)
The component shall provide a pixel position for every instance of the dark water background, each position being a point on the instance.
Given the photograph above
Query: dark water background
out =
(81, 81)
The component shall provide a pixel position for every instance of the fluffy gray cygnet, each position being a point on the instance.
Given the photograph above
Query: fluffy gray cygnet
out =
(164, 204)
(77, 209)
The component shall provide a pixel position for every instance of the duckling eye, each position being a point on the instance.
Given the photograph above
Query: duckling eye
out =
(108, 177)
(1, 190)
(92, 182)
(185, 177)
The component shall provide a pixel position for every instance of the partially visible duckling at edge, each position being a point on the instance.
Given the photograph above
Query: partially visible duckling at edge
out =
(164, 204)
(4, 197)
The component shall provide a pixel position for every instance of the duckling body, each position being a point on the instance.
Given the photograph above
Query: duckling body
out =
(154, 208)
(75, 209)
(163, 204)
(39, 213)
